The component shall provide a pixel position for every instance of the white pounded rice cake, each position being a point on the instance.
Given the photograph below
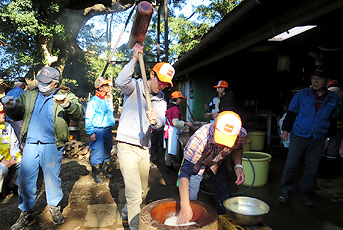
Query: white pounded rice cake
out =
(171, 221)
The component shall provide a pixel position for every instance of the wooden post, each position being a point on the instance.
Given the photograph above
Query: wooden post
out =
(166, 30)
(158, 32)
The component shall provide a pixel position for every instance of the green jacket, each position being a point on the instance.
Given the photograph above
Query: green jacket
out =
(24, 108)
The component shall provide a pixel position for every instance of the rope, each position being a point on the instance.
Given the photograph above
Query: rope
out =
(116, 45)
(228, 223)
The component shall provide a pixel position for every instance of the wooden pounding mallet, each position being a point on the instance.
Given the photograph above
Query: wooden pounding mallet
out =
(138, 32)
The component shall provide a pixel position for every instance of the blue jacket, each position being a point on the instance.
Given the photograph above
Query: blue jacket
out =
(308, 122)
(15, 92)
(99, 114)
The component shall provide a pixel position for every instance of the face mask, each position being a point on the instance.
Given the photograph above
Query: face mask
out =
(43, 87)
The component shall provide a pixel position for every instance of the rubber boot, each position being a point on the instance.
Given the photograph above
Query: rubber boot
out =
(96, 173)
(106, 169)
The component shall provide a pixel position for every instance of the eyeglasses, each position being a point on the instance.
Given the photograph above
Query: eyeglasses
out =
(165, 84)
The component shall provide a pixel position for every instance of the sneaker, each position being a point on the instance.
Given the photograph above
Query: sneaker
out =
(152, 165)
(56, 215)
(304, 196)
(283, 198)
(25, 219)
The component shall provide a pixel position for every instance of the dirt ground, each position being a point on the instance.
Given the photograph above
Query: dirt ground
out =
(86, 204)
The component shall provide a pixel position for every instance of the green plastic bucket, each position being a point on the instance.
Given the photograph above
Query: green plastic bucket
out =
(247, 145)
(258, 138)
(260, 161)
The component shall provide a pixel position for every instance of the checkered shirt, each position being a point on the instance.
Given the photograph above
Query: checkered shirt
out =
(202, 151)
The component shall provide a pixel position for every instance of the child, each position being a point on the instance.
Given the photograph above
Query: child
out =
(10, 157)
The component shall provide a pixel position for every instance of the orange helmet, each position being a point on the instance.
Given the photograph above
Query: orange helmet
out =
(101, 81)
(222, 83)
(333, 83)
(165, 72)
(177, 94)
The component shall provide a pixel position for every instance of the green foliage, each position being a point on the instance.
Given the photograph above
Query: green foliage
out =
(71, 83)
(177, 4)
(92, 39)
(25, 23)
(95, 66)
(184, 34)
(90, 65)
(216, 10)
(22, 24)
(187, 33)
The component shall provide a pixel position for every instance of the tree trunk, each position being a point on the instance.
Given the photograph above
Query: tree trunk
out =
(74, 15)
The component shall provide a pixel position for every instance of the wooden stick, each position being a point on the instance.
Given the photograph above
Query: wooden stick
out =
(145, 81)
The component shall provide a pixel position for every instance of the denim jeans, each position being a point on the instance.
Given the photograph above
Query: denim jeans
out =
(194, 185)
(49, 158)
(101, 148)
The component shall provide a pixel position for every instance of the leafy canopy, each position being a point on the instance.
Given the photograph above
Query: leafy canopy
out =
(27, 24)
(22, 24)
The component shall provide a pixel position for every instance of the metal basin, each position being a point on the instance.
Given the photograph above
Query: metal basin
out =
(197, 125)
(246, 210)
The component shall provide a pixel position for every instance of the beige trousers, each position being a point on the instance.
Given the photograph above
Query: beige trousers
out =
(134, 164)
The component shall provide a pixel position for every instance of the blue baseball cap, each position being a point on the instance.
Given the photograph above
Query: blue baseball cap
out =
(47, 74)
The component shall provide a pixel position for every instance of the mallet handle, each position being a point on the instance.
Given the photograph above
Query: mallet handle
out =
(145, 83)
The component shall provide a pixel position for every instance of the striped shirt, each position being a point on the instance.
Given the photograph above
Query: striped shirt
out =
(202, 151)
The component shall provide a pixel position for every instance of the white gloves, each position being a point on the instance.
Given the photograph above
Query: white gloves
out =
(61, 100)
(65, 105)
(8, 101)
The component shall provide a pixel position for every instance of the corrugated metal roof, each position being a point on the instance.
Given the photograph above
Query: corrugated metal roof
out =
(255, 21)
